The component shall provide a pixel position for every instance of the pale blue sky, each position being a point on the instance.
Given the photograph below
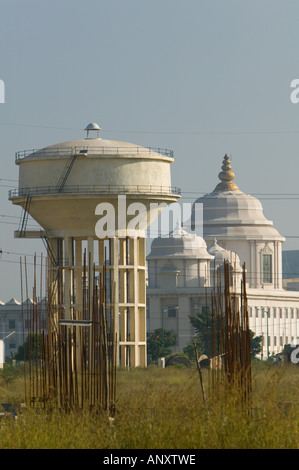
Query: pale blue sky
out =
(202, 78)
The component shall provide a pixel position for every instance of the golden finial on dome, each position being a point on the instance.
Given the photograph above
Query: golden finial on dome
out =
(226, 177)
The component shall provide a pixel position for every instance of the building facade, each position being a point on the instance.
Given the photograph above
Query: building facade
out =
(14, 323)
(181, 268)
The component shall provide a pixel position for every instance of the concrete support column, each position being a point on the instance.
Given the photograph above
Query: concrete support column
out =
(78, 277)
(115, 288)
(134, 320)
(142, 301)
(53, 270)
(90, 263)
(68, 294)
(123, 298)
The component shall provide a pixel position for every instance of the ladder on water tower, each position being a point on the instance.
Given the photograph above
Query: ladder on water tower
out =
(66, 171)
(48, 248)
(24, 217)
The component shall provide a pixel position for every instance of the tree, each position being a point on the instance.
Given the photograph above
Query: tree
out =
(30, 347)
(157, 346)
(255, 344)
(209, 329)
(189, 351)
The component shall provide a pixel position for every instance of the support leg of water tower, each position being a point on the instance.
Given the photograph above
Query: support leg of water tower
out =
(115, 290)
(78, 300)
(137, 297)
(134, 323)
(54, 278)
(90, 260)
(141, 277)
(78, 278)
(123, 300)
(68, 290)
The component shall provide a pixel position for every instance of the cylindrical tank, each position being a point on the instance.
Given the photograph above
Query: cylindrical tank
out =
(61, 186)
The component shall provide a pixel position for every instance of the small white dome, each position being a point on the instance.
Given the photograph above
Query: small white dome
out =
(92, 126)
(191, 240)
(180, 243)
(221, 255)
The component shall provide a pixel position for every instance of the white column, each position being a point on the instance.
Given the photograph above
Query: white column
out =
(276, 283)
(279, 266)
(257, 267)
(252, 264)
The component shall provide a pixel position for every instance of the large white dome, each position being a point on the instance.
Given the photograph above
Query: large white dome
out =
(228, 213)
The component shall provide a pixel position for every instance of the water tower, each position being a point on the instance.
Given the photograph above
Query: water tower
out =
(61, 186)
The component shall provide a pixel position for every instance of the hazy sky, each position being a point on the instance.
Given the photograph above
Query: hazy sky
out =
(202, 78)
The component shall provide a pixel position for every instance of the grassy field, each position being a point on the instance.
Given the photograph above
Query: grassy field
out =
(164, 409)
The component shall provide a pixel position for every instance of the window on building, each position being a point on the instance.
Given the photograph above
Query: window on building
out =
(11, 324)
(267, 269)
(280, 341)
(250, 312)
(280, 313)
(172, 312)
(12, 346)
(274, 339)
(256, 312)
(274, 312)
(286, 312)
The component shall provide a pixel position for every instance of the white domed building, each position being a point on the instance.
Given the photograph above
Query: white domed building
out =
(234, 229)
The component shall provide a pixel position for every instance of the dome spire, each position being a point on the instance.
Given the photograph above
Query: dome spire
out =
(226, 177)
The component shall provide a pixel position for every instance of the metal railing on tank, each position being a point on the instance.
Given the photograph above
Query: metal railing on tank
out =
(95, 189)
(68, 151)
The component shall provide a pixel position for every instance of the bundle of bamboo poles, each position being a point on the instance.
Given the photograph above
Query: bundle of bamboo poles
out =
(237, 357)
(228, 334)
(70, 365)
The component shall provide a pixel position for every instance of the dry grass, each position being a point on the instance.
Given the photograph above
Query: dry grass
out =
(164, 409)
